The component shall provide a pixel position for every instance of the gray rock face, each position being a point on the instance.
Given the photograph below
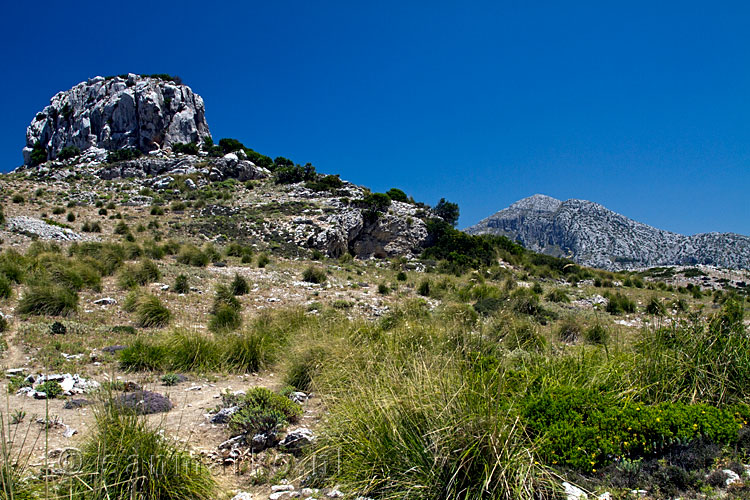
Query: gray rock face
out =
(592, 235)
(138, 112)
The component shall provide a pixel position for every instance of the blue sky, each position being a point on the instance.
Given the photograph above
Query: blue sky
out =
(641, 106)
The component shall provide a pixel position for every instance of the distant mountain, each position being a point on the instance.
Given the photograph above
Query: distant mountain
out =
(593, 235)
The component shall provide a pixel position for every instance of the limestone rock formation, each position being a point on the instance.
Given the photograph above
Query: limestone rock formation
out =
(146, 113)
(592, 235)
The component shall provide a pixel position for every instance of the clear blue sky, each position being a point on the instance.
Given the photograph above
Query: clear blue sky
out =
(643, 106)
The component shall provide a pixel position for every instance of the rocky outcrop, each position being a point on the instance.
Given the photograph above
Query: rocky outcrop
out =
(592, 235)
(214, 169)
(396, 232)
(113, 113)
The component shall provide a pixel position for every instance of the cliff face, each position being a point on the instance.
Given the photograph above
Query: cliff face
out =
(145, 113)
(592, 235)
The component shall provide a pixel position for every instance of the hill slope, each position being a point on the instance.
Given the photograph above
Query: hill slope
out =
(595, 236)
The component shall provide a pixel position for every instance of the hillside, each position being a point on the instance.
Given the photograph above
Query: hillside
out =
(592, 235)
(200, 321)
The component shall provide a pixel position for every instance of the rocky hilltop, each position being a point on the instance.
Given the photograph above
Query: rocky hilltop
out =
(84, 132)
(141, 112)
(592, 235)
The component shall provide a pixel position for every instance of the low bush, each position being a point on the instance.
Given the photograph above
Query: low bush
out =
(587, 429)
(656, 307)
(151, 313)
(314, 275)
(68, 152)
(569, 329)
(225, 319)
(558, 295)
(143, 355)
(50, 300)
(126, 458)
(263, 260)
(6, 287)
(619, 304)
(192, 351)
(123, 155)
(51, 388)
(239, 285)
(596, 334)
(262, 411)
(193, 256)
(181, 284)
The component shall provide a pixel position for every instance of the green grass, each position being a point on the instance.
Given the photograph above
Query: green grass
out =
(125, 458)
(50, 300)
(151, 313)
(225, 319)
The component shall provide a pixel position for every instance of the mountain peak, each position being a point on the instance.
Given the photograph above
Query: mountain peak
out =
(595, 236)
(537, 202)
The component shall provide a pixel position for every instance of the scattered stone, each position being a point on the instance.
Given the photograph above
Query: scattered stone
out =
(111, 349)
(232, 443)
(36, 228)
(73, 404)
(71, 357)
(295, 440)
(15, 372)
(573, 492)
(69, 432)
(298, 397)
(243, 495)
(282, 487)
(334, 493)
(223, 415)
(106, 301)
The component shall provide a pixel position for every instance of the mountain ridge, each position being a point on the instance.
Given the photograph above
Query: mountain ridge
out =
(593, 235)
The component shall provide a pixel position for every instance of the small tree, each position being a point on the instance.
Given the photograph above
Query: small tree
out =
(447, 211)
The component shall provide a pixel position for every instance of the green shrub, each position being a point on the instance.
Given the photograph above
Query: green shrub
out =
(68, 152)
(251, 350)
(424, 288)
(18, 198)
(263, 260)
(401, 276)
(596, 334)
(303, 368)
(181, 284)
(127, 458)
(619, 303)
(193, 256)
(51, 388)
(123, 155)
(587, 429)
(170, 379)
(569, 330)
(50, 300)
(141, 274)
(6, 287)
(192, 351)
(262, 410)
(314, 275)
(377, 202)
(38, 154)
(225, 318)
(190, 148)
(143, 355)
(151, 313)
(239, 285)
(558, 295)
(383, 289)
(224, 297)
(3, 327)
(326, 183)
(157, 210)
(656, 307)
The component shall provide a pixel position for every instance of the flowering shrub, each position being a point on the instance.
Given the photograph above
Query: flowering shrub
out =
(585, 429)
